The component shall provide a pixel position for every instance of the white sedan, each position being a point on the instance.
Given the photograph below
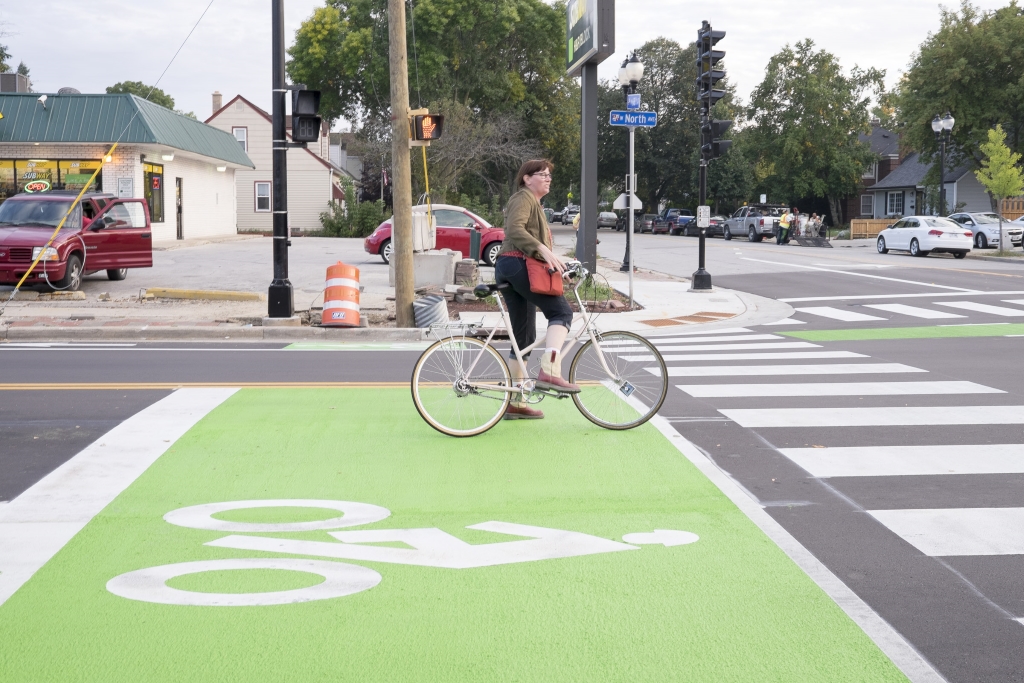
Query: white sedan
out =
(922, 235)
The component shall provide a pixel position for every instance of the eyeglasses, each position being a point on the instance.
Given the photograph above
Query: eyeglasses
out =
(545, 174)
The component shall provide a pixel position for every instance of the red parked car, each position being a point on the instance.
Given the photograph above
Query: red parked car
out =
(103, 232)
(453, 227)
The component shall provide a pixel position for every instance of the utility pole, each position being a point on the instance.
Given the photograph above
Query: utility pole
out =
(280, 302)
(401, 174)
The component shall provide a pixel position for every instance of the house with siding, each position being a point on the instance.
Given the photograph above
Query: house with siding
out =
(885, 146)
(313, 181)
(183, 168)
(902, 192)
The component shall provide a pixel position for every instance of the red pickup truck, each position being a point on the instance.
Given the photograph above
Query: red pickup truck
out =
(103, 232)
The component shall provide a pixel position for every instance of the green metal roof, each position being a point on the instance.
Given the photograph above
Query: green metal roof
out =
(109, 118)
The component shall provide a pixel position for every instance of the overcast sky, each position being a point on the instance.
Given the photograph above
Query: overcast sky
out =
(91, 45)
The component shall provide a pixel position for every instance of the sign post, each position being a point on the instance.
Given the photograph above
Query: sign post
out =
(590, 39)
(632, 120)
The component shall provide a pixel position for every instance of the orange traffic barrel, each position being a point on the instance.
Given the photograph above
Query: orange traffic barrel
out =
(341, 296)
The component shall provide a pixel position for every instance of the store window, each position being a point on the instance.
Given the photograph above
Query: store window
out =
(154, 190)
(242, 135)
(262, 197)
(74, 175)
(35, 175)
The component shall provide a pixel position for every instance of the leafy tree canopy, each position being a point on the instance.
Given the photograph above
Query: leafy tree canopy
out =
(999, 172)
(973, 66)
(23, 70)
(4, 56)
(140, 89)
(806, 116)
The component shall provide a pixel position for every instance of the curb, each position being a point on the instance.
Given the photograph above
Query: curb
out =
(1000, 259)
(207, 294)
(188, 333)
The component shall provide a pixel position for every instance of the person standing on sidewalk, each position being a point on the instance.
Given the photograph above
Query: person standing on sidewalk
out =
(527, 236)
(783, 233)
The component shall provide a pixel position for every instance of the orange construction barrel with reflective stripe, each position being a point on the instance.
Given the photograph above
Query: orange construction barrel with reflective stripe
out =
(341, 296)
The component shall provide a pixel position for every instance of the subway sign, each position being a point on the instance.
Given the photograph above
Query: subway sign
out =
(589, 33)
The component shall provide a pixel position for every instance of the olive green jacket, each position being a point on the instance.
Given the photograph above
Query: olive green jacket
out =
(526, 226)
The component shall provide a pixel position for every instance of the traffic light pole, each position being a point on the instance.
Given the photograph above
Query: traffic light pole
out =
(701, 280)
(280, 301)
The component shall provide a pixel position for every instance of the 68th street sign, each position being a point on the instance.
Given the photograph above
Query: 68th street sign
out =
(637, 119)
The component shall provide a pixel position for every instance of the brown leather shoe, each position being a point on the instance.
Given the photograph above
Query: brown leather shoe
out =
(522, 412)
(546, 381)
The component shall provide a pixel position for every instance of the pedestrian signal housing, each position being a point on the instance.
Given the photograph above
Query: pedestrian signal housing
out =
(427, 127)
(306, 121)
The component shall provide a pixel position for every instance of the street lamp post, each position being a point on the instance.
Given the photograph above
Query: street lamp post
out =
(630, 73)
(942, 128)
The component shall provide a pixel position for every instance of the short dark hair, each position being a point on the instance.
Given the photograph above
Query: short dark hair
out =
(531, 167)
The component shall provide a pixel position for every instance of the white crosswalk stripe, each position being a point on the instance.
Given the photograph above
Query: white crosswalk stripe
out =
(783, 355)
(667, 342)
(983, 308)
(890, 416)
(787, 321)
(1014, 301)
(781, 369)
(914, 311)
(958, 531)
(739, 347)
(838, 314)
(835, 389)
(893, 461)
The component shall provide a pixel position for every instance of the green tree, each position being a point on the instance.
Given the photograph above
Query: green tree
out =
(806, 115)
(1000, 174)
(4, 56)
(972, 66)
(494, 57)
(23, 70)
(140, 89)
(731, 177)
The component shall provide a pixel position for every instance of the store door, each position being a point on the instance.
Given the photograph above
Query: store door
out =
(177, 208)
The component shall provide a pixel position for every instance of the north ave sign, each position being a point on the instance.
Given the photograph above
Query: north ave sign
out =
(633, 119)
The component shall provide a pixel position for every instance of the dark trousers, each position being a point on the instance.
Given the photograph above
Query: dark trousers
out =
(783, 235)
(523, 304)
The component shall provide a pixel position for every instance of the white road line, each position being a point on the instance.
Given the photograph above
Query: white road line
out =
(893, 416)
(982, 308)
(66, 345)
(724, 330)
(784, 355)
(38, 523)
(838, 314)
(958, 531)
(783, 369)
(742, 347)
(787, 321)
(914, 311)
(837, 389)
(875, 277)
(1014, 301)
(908, 659)
(901, 461)
(851, 297)
(613, 343)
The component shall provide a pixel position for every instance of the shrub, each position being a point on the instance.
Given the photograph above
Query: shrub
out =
(353, 218)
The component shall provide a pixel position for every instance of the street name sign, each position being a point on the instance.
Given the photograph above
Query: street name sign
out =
(637, 119)
(633, 102)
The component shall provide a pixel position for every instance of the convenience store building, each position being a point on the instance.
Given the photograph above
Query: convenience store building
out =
(184, 168)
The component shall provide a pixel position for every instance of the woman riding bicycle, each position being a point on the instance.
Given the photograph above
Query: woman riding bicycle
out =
(527, 236)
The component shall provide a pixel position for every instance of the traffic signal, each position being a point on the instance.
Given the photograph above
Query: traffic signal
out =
(427, 127)
(712, 146)
(306, 121)
(707, 74)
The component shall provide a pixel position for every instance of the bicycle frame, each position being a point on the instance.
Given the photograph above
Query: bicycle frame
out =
(571, 339)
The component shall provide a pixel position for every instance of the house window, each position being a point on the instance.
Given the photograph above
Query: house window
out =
(262, 197)
(867, 205)
(895, 200)
(871, 171)
(242, 135)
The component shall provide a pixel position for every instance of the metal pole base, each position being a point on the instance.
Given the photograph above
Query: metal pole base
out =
(280, 303)
(701, 281)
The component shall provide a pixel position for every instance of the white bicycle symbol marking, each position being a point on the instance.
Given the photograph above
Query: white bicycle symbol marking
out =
(428, 547)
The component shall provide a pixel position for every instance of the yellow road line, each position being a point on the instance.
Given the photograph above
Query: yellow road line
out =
(142, 386)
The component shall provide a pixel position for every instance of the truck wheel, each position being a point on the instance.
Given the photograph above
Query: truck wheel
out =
(117, 274)
(727, 235)
(752, 235)
(72, 279)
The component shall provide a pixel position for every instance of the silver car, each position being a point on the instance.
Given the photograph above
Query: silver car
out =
(607, 219)
(985, 226)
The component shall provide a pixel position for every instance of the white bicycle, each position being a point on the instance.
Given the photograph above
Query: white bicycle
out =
(462, 386)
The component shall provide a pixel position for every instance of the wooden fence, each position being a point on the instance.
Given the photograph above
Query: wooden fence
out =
(1013, 208)
(866, 228)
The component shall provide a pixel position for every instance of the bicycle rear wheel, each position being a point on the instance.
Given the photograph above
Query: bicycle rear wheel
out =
(449, 398)
(627, 388)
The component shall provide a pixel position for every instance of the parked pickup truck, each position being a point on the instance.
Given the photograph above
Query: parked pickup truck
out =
(103, 232)
(755, 221)
(672, 221)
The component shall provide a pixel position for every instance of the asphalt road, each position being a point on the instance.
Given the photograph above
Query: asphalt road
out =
(923, 523)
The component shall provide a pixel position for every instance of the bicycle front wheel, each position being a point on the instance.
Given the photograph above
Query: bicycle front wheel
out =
(452, 399)
(622, 378)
